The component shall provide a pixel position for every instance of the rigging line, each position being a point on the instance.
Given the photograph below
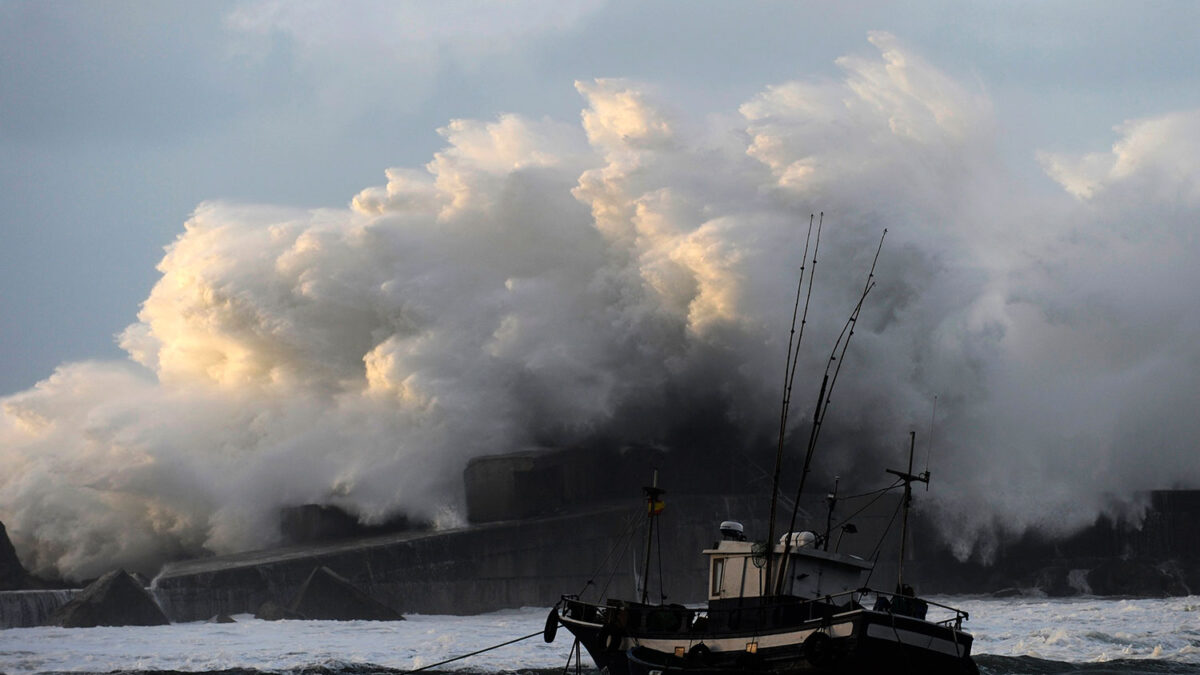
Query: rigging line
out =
(749, 461)
(628, 540)
(789, 369)
(893, 486)
(474, 653)
(630, 523)
(878, 495)
(879, 545)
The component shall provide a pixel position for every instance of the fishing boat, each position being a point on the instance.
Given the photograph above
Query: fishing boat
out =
(777, 606)
(824, 620)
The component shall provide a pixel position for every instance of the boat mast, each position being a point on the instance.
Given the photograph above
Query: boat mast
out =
(654, 506)
(908, 477)
(830, 499)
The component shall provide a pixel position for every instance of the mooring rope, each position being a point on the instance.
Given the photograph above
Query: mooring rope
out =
(475, 653)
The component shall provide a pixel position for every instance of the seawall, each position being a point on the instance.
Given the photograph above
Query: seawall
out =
(474, 569)
(533, 562)
(21, 609)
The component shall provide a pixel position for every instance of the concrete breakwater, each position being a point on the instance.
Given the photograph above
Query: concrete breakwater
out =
(21, 609)
(533, 561)
(474, 569)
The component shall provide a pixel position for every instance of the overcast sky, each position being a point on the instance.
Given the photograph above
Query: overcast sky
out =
(118, 118)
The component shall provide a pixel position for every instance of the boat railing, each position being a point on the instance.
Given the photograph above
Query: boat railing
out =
(894, 599)
(624, 616)
(632, 616)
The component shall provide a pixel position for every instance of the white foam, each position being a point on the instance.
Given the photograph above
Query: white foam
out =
(281, 645)
(1071, 630)
(1084, 629)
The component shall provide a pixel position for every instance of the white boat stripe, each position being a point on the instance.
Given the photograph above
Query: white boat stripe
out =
(738, 644)
(915, 639)
(843, 628)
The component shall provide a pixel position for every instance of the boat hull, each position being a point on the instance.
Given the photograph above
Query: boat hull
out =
(854, 641)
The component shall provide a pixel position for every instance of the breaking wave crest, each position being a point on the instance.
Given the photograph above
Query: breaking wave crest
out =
(627, 279)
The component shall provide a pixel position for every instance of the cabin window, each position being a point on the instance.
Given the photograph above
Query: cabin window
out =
(718, 575)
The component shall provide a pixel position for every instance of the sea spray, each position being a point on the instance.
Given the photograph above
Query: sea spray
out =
(617, 279)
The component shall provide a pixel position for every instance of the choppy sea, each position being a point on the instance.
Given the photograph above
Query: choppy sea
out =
(1015, 635)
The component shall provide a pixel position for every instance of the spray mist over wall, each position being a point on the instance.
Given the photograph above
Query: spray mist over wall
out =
(543, 283)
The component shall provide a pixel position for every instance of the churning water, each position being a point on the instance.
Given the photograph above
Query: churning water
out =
(1016, 635)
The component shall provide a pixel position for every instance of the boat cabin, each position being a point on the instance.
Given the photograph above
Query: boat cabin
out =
(735, 571)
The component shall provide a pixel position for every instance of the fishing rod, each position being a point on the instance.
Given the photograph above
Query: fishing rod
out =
(850, 325)
(789, 373)
(824, 396)
(791, 377)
